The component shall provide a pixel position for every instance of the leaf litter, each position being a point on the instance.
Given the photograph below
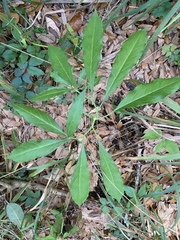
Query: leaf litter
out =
(121, 137)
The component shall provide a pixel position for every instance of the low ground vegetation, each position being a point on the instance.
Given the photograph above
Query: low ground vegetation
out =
(90, 121)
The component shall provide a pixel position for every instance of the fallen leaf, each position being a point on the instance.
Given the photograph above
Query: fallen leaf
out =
(76, 21)
(52, 28)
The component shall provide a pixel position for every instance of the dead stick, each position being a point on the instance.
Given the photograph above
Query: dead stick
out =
(12, 184)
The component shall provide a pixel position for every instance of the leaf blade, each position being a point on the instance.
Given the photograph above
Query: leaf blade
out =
(75, 114)
(152, 92)
(38, 118)
(15, 213)
(127, 57)
(80, 182)
(172, 104)
(111, 176)
(60, 64)
(8, 87)
(92, 45)
(49, 93)
(33, 149)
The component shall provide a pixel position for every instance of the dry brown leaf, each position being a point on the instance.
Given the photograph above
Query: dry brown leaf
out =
(47, 38)
(52, 28)
(76, 21)
(4, 16)
(167, 213)
(93, 176)
(70, 167)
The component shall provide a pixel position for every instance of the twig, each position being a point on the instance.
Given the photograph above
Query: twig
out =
(13, 184)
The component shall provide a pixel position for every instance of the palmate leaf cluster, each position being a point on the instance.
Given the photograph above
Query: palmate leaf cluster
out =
(131, 51)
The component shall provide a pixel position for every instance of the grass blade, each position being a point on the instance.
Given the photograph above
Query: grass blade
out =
(162, 26)
(148, 6)
(8, 87)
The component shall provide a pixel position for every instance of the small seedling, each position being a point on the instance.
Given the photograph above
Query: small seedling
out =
(169, 145)
(173, 53)
(30, 198)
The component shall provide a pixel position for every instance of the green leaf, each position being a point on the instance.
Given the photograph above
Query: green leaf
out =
(172, 104)
(152, 92)
(34, 149)
(16, 82)
(47, 238)
(34, 71)
(75, 114)
(82, 76)
(18, 72)
(60, 64)
(38, 118)
(171, 156)
(35, 61)
(92, 46)
(111, 175)
(143, 190)
(15, 213)
(130, 53)
(26, 78)
(58, 79)
(9, 55)
(152, 134)
(80, 182)
(169, 145)
(8, 87)
(23, 58)
(130, 191)
(49, 93)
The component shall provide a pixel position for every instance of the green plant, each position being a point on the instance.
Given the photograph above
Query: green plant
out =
(169, 145)
(128, 218)
(169, 22)
(56, 229)
(30, 198)
(136, 2)
(162, 9)
(127, 57)
(71, 41)
(173, 53)
(21, 221)
(28, 67)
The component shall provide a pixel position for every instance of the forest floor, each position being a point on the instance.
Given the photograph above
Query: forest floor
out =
(122, 137)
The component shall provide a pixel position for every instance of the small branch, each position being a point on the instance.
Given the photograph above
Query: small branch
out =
(13, 184)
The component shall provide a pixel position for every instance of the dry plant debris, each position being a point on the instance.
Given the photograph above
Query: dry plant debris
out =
(122, 137)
